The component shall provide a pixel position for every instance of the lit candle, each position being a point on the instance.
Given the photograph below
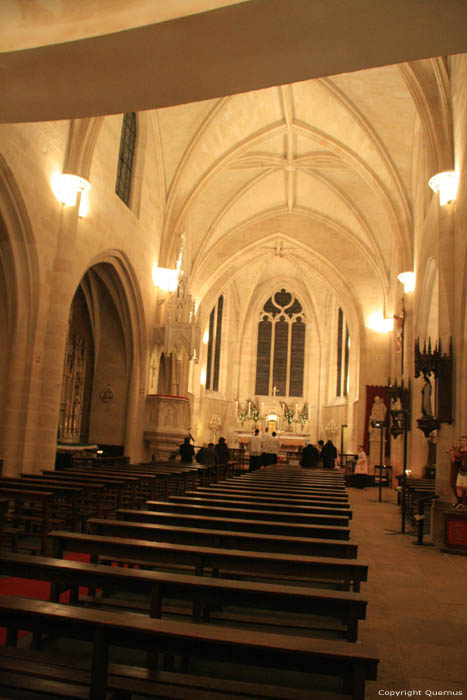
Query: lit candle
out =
(249, 408)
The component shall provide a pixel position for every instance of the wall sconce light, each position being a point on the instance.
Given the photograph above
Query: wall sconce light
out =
(164, 278)
(202, 378)
(446, 184)
(66, 187)
(408, 280)
(206, 337)
(379, 323)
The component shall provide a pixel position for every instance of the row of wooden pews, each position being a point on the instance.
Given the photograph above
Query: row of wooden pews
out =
(36, 503)
(254, 571)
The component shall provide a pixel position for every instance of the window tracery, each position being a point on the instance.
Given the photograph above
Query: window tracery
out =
(280, 357)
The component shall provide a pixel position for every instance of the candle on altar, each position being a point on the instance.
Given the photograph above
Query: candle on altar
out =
(249, 408)
(236, 408)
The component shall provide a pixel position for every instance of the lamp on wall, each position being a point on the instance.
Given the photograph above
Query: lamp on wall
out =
(446, 184)
(379, 323)
(165, 278)
(66, 188)
(408, 280)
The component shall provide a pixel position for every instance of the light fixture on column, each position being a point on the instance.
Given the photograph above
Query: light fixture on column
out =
(408, 280)
(446, 184)
(165, 278)
(380, 323)
(66, 188)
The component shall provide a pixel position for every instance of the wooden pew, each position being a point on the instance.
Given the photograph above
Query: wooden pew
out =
(93, 496)
(260, 478)
(219, 492)
(65, 505)
(345, 573)
(237, 524)
(354, 664)
(329, 494)
(120, 489)
(20, 498)
(277, 506)
(3, 511)
(205, 594)
(249, 512)
(224, 538)
(149, 483)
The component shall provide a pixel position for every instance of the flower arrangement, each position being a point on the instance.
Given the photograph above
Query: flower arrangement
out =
(254, 413)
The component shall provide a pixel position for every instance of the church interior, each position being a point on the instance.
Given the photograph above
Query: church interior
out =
(217, 217)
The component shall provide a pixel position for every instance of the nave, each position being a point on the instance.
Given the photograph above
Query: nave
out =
(416, 647)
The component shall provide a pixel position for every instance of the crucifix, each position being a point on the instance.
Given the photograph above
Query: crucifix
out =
(274, 391)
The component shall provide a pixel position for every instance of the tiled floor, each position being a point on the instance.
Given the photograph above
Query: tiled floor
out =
(417, 604)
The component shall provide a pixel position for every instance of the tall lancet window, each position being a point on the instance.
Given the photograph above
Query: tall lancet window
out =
(126, 157)
(343, 349)
(280, 356)
(214, 346)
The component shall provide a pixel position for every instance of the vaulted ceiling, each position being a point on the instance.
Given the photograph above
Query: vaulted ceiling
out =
(312, 179)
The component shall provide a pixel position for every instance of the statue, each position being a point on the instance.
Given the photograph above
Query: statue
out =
(426, 398)
(377, 415)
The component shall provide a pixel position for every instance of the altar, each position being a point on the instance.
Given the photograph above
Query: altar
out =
(289, 441)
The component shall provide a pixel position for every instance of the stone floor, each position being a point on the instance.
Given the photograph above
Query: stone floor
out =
(417, 604)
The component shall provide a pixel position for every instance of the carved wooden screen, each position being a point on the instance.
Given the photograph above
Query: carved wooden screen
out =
(71, 404)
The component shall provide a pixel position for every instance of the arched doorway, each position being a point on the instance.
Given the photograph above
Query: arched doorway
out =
(98, 363)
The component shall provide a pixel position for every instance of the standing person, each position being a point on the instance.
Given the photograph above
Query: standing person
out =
(310, 456)
(320, 446)
(459, 472)
(222, 451)
(207, 455)
(361, 469)
(271, 447)
(275, 447)
(187, 451)
(329, 455)
(255, 446)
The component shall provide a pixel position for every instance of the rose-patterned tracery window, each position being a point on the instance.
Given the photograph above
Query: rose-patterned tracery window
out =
(280, 356)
